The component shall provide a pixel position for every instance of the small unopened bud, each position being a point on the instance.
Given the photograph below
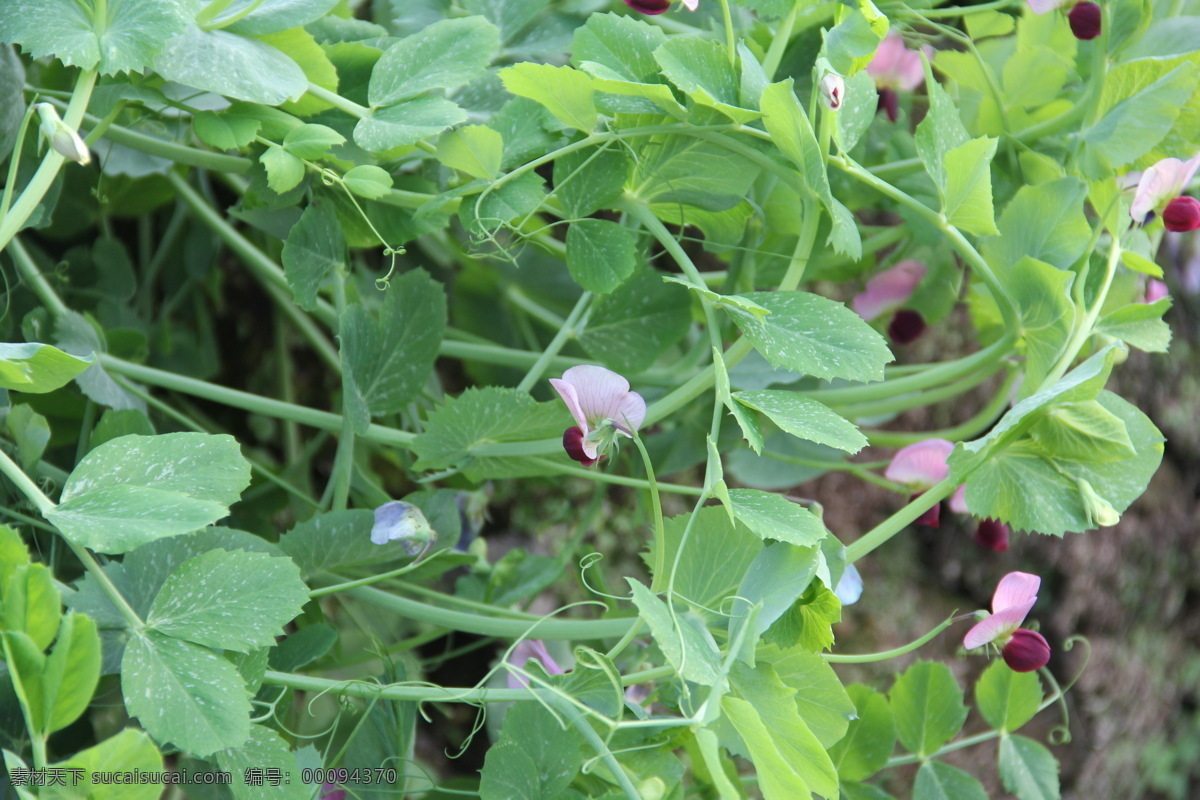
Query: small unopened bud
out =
(906, 326)
(1086, 20)
(402, 522)
(649, 6)
(1099, 510)
(1026, 651)
(1182, 214)
(573, 444)
(889, 103)
(65, 141)
(833, 89)
(992, 535)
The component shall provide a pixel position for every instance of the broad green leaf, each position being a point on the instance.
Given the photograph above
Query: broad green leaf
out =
(511, 201)
(235, 66)
(717, 555)
(967, 194)
(528, 130)
(1028, 769)
(407, 123)
(368, 180)
(303, 647)
(13, 553)
(1042, 294)
(852, 43)
(115, 423)
(1141, 325)
(1044, 222)
(870, 738)
(132, 33)
(534, 757)
(588, 180)
(311, 141)
(315, 247)
(771, 9)
(301, 47)
(31, 433)
(814, 335)
(271, 17)
(72, 672)
(226, 131)
(476, 150)
(265, 750)
(130, 751)
(776, 706)
(12, 763)
(1141, 264)
(851, 790)
(601, 254)
(595, 682)
(184, 694)
(624, 45)
(773, 516)
(937, 780)
(12, 98)
(1007, 699)
(1084, 431)
(792, 132)
(778, 777)
(928, 706)
(284, 170)
(1034, 76)
(805, 418)
(387, 359)
(509, 773)
(777, 577)
(136, 489)
(938, 134)
(701, 70)
(31, 604)
(229, 600)
(684, 169)
(1133, 126)
(629, 329)
(510, 16)
(443, 55)
(808, 625)
(483, 416)
(566, 92)
(859, 107)
(334, 541)
(77, 335)
(688, 645)
(823, 703)
(38, 368)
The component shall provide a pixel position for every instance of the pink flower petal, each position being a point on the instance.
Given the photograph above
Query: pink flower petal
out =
(958, 500)
(1155, 290)
(920, 465)
(600, 392)
(986, 631)
(889, 290)
(527, 649)
(895, 66)
(1042, 6)
(567, 392)
(1160, 183)
(1016, 590)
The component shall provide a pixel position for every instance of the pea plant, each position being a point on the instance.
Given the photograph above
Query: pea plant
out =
(353, 348)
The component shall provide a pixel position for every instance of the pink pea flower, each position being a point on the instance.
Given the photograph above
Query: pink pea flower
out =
(331, 791)
(1023, 650)
(1161, 185)
(1155, 290)
(919, 466)
(896, 68)
(527, 649)
(990, 534)
(886, 292)
(1086, 20)
(600, 401)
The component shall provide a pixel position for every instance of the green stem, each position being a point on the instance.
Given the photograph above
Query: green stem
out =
(372, 579)
(867, 658)
(962, 11)
(967, 430)
(897, 522)
(923, 398)
(565, 333)
(33, 276)
(730, 36)
(1086, 325)
(660, 536)
(779, 42)
(606, 477)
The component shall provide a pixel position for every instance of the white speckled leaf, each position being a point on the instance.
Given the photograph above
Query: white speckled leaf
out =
(265, 749)
(229, 600)
(134, 489)
(407, 123)
(235, 66)
(184, 694)
(806, 418)
(272, 16)
(442, 56)
(773, 516)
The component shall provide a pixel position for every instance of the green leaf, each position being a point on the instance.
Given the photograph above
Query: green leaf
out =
(1028, 769)
(776, 579)
(284, 170)
(805, 418)
(76, 335)
(684, 169)
(938, 134)
(1045, 222)
(184, 694)
(229, 130)
(129, 751)
(1043, 297)
(132, 34)
(629, 329)
(823, 703)
(136, 489)
(368, 180)
(851, 43)
(590, 179)
(38, 368)
(386, 360)
(333, 541)
(407, 123)
(928, 706)
(483, 416)
(814, 335)
(1133, 126)
(967, 194)
(808, 625)
(778, 777)
(869, 739)
(859, 107)
(476, 150)
(303, 647)
(1085, 431)
(315, 247)
(115, 423)
(566, 92)
(717, 555)
(444, 55)
(601, 254)
(682, 637)
(229, 600)
(72, 672)
(32, 604)
(270, 17)
(937, 780)
(1141, 325)
(12, 99)
(264, 750)
(31, 432)
(624, 45)
(1007, 699)
(792, 132)
(595, 682)
(311, 141)
(234, 66)
(701, 69)
(510, 16)
(513, 200)
(773, 516)
(533, 759)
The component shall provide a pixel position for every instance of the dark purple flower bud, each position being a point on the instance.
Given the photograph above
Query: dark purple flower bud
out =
(889, 102)
(331, 791)
(649, 6)
(1086, 20)
(1182, 214)
(1026, 651)
(906, 326)
(992, 535)
(573, 444)
(931, 518)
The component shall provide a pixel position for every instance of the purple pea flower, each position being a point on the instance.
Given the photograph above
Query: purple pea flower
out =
(919, 466)
(895, 68)
(600, 401)
(1159, 189)
(527, 649)
(1023, 650)
(886, 292)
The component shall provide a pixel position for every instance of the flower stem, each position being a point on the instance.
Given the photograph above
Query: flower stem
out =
(866, 658)
(565, 333)
(897, 522)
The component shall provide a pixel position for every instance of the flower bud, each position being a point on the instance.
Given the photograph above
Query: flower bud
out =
(652, 789)
(906, 326)
(1026, 651)
(889, 103)
(573, 444)
(833, 89)
(1099, 510)
(65, 141)
(1086, 20)
(1182, 214)
(992, 535)
(402, 522)
(931, 518)
(649, 6)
